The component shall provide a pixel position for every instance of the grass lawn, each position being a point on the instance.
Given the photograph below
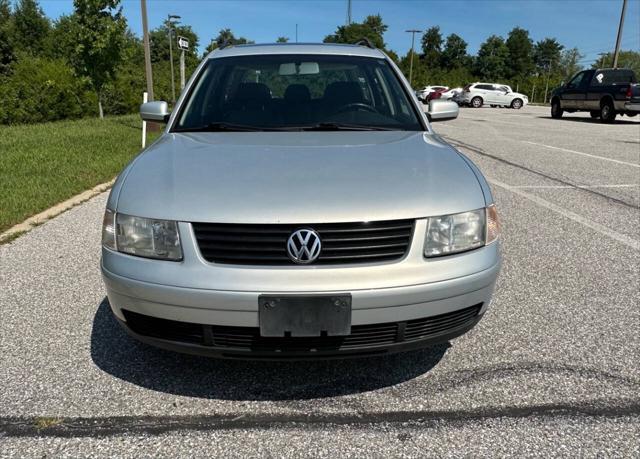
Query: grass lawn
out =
(44, 164)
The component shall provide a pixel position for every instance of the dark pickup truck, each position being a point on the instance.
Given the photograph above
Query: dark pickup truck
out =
(604, 93)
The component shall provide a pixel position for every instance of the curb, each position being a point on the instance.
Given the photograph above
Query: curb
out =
(54, 211)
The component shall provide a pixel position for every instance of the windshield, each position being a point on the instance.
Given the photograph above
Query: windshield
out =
(297, 92)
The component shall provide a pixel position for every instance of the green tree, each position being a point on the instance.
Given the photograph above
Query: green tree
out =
(226, 36)
(6, 52)
(5, 12)
(159, 43)
(30, 27)
(159, 39)
(626, 60)
(493, 55)
(123, 94)
(520, 59)
(372, 28)
(455, 54)
(42, 89)
(432, 47)
(547, 53)
(282, 40)
(569, 63)
(101, 34)
(7, 55)
(63, 37)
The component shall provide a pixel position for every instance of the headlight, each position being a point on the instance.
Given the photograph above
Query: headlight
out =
(456, 233)
(144, 237)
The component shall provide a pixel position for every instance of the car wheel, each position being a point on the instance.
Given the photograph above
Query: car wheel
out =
(556, 109)
(607, 112)
(476, 102)
(594, 114)
(516, 103)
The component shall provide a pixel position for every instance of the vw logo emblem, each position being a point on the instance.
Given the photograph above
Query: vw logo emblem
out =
(304, 246)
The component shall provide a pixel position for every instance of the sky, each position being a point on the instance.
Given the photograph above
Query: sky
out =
(590, 25)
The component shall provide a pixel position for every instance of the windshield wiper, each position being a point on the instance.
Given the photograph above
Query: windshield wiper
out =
(219, 126)
(332, 126)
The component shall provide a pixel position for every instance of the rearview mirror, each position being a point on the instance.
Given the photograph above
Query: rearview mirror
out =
(303, 68)
(155, 111)
(441, 110)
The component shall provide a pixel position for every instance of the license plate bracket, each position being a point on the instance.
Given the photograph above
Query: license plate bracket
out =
(304, 315)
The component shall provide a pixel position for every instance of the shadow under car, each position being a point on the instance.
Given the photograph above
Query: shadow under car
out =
(116, 353)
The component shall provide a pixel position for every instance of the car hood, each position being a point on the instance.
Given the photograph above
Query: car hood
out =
(297, 177)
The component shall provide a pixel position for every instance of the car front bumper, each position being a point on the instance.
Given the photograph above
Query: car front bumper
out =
(198, 307)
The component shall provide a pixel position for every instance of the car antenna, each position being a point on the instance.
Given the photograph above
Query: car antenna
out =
(364, 41)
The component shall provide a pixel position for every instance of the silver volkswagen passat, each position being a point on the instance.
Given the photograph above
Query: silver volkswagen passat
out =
(299, 205)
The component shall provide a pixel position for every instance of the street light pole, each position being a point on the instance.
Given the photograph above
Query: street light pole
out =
(170, 18)
(147, 51)
(618, 39)
(413, 33)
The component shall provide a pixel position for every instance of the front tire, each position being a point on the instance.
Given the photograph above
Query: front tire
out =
(556, 109)
(476, 102)
(607, 112)
(516, 103)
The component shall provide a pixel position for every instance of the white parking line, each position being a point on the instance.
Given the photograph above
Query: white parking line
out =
(626, 240)
(586, 187)
(580, 153)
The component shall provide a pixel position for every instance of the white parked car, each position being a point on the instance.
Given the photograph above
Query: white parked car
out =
(424, 92)
(450, 93)
(494, 94)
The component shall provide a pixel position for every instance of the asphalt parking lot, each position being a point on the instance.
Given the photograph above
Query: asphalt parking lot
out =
(553, 368)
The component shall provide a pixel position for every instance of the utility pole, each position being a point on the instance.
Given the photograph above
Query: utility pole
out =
(348, 12)
(619, 38)
(413, 33)
(147, 50)
(546, 88)
(296, 33)
(171, 22)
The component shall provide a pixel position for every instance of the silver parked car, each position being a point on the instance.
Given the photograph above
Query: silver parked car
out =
(299, 205)
(496, 95)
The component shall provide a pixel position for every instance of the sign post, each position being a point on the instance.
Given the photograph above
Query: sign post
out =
(145, 99)
(183, 45)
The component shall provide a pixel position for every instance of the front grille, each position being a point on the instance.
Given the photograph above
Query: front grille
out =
(342, 243)
(249, 339)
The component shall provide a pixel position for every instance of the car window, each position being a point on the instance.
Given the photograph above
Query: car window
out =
(281, 91)
(606, 77)
(488, 87)
(576, 81)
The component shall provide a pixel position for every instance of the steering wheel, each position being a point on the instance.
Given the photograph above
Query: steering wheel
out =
(356, 105)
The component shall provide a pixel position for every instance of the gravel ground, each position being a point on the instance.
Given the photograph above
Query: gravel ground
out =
(553, 368)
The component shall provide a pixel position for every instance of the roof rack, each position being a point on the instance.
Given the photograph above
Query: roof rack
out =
(225, 44)
(365, 42)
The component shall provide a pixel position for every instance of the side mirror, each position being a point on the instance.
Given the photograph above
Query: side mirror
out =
(157, 111)
(442, 110)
